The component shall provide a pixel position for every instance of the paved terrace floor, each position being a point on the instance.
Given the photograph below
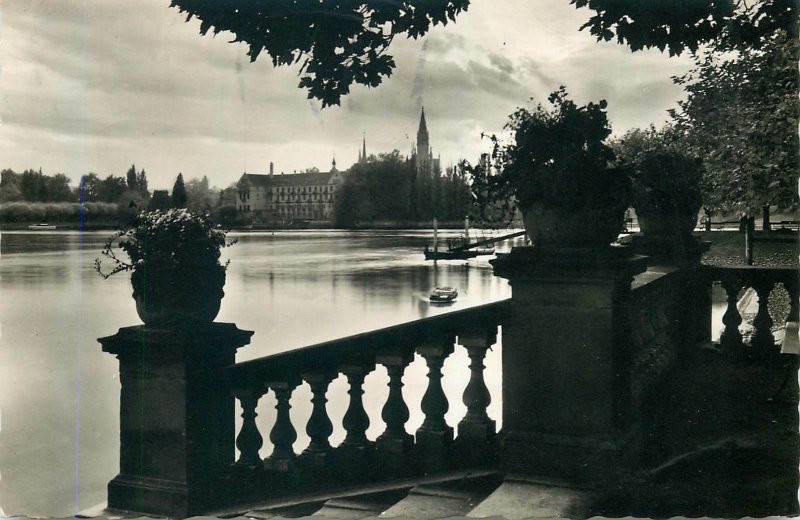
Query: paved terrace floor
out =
(725, 433)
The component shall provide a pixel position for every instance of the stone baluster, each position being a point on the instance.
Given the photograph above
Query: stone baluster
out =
(763, 340)
(283, 434)
(434, 435)
(476, 426)
(319, 426)
(356, 420)
(395, 441)
(731, 338)
(249, 440)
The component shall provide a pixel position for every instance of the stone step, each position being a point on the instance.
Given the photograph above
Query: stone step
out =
(517, 498)
(361, 506)
(444, 499)
(309, 504)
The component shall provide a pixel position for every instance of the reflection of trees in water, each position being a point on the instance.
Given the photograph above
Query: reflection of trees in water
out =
(36, 275)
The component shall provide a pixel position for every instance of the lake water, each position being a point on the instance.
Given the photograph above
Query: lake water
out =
(59, 394)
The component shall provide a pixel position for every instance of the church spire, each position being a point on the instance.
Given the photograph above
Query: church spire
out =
(364, 146)
(422, 132)
(423, 159)
(333, 163)
(362, 155)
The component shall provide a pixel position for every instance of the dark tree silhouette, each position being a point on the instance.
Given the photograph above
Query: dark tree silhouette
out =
(141, 183)
(160, 201)
(131, 178)
(179, 197)
(677, 25)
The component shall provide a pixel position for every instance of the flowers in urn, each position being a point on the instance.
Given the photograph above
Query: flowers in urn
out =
(558, 170)
(174, 260)
(666, 180)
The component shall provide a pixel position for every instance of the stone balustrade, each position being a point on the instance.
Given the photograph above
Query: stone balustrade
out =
(586, 336)
(396, 452)
(762, 280)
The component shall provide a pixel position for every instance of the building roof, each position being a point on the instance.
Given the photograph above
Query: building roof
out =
(291, 179)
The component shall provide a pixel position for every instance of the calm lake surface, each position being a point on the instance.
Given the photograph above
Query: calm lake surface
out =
(59, 394)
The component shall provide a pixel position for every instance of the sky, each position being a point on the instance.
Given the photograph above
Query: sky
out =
(98, 85)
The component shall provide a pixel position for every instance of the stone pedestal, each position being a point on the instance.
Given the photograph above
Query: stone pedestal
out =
(567, 411)
(176, 417)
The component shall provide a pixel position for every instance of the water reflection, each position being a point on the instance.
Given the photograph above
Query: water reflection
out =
(59, 394)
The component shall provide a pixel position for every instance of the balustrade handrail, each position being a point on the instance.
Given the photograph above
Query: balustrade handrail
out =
(365, 344)
(775, 273)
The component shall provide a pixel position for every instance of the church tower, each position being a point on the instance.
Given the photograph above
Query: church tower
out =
(423, 145)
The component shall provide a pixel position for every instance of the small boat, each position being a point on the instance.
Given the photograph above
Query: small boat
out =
(459, 249)
(462, 254)
(42, 225)
(443, 294)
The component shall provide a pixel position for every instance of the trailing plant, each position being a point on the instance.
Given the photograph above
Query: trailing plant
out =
(172, 254)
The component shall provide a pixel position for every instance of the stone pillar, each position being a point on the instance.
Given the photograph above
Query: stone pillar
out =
(566, 372)
(176, 419)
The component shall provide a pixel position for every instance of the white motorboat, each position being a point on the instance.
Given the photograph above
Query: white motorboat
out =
(443, 294)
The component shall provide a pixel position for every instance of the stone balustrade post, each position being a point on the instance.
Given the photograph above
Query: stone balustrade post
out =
(176, 426)
(567, 407)
(394, 443)
(433, 438)
(476, 426)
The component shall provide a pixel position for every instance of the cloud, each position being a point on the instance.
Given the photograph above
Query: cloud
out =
(94, 85)
(501, 62)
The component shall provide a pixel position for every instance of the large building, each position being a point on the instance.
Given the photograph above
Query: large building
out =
(289, 198)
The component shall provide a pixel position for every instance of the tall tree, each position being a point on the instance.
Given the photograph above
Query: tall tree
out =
(141, 183)
(89, 189)
(131, 178)
(741, 116)
(111, 188)
(179, 197)
(201, 199)
(10, 186)
(58, 189)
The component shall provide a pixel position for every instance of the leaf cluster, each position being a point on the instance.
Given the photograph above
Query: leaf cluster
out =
(665, 176)
(337, 42)
(741, 115)
(680, 25)
(558, 157)
(174, 242)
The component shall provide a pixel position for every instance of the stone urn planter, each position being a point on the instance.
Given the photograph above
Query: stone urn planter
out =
(176, 274)
(558, 171)
(591, 227)
(665, 180)
(175, 301)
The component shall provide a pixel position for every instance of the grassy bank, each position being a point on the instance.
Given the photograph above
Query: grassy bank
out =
(771, 249)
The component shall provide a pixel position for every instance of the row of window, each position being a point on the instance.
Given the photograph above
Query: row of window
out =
(299, 189)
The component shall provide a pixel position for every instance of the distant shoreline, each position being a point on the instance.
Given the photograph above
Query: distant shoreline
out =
(105, 226)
